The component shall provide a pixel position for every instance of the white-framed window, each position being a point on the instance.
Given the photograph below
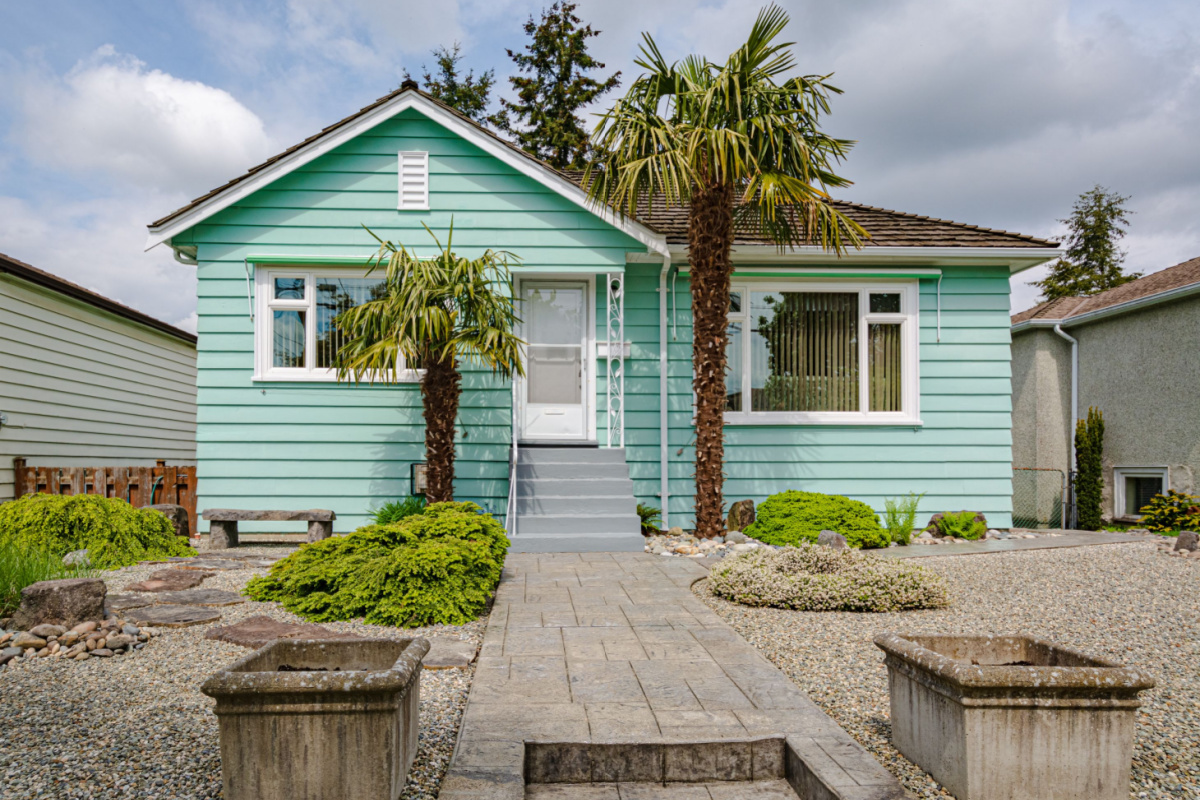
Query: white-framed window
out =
(1135, 486)
(295, 338)
(809, 352)
(412, 172)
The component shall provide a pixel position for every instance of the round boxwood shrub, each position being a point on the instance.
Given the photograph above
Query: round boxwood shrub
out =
(794, 517)
(114, 533)
(436, 567)
(813, 578)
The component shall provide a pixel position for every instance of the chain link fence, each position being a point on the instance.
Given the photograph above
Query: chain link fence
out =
(1039, 497)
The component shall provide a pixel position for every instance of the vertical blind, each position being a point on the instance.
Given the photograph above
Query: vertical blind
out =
(804, 351)
(335, 295)
(884, 355)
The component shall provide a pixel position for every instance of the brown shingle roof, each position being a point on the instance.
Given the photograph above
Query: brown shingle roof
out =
(1064, 308)
(887, 228)
(47, 280)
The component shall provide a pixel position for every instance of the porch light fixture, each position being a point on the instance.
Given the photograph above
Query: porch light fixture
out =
(419, 483)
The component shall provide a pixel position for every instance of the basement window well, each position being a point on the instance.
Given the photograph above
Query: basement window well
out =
(1134, 487)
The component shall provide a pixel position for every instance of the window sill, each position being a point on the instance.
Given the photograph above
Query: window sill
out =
(408, 376)
(824, 420)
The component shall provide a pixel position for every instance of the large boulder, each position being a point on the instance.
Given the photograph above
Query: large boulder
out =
(741, 515)
(64, 602)
(832, 539)
(1187, 541)
(178, 516)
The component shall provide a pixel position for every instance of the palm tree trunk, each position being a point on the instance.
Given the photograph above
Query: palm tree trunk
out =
(440, 391)
(710, 238)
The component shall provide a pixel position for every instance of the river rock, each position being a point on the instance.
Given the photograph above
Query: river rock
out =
(25, 640)
(85, 628)
(63, 602)
(46, 630)
(832, 539)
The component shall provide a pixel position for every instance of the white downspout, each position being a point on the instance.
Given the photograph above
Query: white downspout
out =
(663, 429)
(1074, 389)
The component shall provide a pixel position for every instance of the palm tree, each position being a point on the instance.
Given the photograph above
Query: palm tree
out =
(432, 313)
(740, 144)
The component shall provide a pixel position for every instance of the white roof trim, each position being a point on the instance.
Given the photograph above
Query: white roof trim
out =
(403, 101)
(1017, 259)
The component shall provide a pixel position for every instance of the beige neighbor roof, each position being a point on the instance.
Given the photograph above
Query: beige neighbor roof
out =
(1066, 308)
(39, 277)
(887, 228)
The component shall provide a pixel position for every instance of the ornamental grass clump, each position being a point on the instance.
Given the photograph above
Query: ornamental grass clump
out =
(813, 578)
(792, 517)
(436, 567)
(114, 533)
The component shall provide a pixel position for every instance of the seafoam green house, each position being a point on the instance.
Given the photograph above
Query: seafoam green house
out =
(882, 372)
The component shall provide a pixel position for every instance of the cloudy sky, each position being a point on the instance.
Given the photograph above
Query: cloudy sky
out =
(997, 114)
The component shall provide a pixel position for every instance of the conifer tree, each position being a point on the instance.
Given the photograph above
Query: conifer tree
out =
(1089, 469)
(552, 87)
(1092, 263)
(467, 94)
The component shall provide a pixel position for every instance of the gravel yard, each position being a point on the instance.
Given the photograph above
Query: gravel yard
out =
(1128, 602)
(138, 726)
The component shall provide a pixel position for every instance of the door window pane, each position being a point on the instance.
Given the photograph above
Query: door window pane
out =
(883, 355)
(735, 302)
(733, 375)
(804, 351)
(553, 315)
(1139, 492)
(289, 288)
(555, 374)
(287, 337)
(885, 303)
(335, 295)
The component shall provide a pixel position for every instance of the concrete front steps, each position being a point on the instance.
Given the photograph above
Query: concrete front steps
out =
(575, 500)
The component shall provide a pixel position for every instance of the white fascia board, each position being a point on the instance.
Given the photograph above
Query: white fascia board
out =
(1017, 259)
(653, 241)
(1111, 311)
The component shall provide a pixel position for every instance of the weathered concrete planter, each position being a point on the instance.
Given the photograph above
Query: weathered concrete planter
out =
(1012, 717)
(312, 735)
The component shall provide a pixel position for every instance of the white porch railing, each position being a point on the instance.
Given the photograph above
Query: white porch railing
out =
(510, 514)
(615, 359)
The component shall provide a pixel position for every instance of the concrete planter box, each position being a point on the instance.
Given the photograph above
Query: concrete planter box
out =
(1012, 717)
(316, 733)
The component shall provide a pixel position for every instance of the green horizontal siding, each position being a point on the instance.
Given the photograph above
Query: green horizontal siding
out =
(350, 448)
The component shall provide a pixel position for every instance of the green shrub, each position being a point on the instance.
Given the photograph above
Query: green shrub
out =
(1089, 466)
(812, 578)
(795, 517)
(900, 516)
(397, 510)
(115, 533)
(1170, 512)
(23, 566)
(651, 518)
(439, 566)
(962, 524)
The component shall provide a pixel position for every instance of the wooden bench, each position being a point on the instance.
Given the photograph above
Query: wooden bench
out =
(223, 523)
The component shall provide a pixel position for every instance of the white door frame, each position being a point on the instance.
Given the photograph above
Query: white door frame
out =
(589, 348)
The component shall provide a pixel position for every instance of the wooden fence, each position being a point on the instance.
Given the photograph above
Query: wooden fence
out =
(139, 486)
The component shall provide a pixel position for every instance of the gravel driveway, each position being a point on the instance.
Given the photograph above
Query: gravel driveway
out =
(1128, 602)
(138, 726)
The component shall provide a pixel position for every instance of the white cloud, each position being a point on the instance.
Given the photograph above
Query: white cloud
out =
(98, 244)
(112, 115)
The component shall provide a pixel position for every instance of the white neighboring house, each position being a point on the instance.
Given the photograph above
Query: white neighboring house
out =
(86, 381)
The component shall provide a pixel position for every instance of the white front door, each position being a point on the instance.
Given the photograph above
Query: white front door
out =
(554, 394)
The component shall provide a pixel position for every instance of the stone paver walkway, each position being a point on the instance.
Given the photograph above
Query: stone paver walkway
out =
(613, 648)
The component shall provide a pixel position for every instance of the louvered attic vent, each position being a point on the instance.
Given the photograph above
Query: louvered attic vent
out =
(414, 180)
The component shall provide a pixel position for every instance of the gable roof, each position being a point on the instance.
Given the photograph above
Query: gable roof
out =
(657, 227)
(383, 109)
(1155, 286)
(46, 280)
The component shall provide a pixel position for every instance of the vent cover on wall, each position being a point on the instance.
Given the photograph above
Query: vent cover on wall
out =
(413, 180)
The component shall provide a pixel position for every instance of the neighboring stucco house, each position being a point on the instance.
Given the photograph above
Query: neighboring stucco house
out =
(876, 374)
(1137, 352)
(88, 382)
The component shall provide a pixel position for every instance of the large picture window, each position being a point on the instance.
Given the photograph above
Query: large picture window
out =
(806, 352)
(295, 336)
